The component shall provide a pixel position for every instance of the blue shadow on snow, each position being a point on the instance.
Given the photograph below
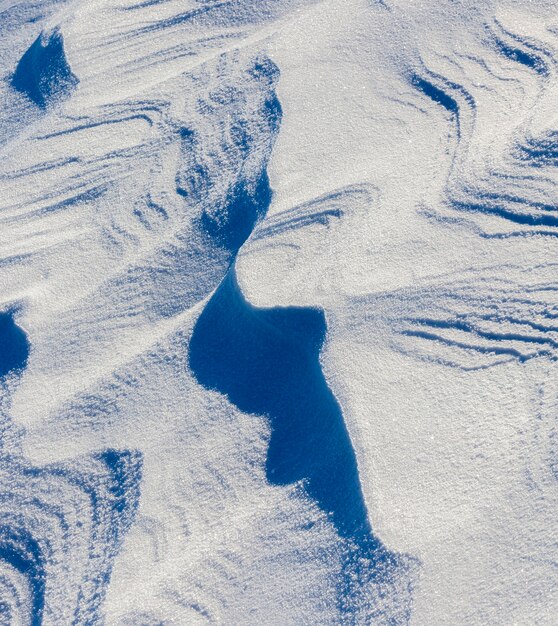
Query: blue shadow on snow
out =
(43, 73)
(14, 346)
(267, 362)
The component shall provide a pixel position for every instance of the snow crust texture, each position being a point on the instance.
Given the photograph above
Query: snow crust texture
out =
(278, 312)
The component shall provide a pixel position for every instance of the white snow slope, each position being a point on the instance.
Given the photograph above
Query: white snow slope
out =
(279, 312)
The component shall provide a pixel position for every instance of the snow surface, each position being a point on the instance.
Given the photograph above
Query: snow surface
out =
(279, 312)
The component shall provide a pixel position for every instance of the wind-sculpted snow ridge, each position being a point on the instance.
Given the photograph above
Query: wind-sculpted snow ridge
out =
(61, 525)
(267, 363)
(278, 312)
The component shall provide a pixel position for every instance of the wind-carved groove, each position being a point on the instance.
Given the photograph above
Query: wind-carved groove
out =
(439, 96)
(454, 99)
(477, 325)
(512, 208)
(299, 218)
(150, 214)
(142, 5)
(267, 362)
(323, 211)
(499, 196)
(540, 151)
(525, 57)
(521, 50)
(83, 179)
(180, 18)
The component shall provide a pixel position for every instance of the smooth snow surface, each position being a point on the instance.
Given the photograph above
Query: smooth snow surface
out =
(279, 312)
